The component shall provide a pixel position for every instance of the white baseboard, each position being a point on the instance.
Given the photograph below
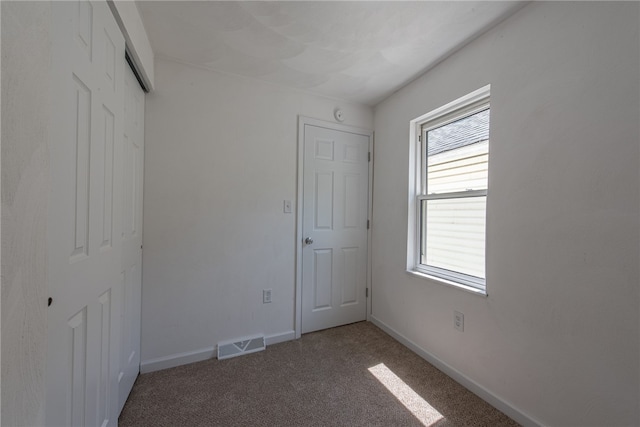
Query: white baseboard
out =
(180, 359)
(281, 337)
(468, 383)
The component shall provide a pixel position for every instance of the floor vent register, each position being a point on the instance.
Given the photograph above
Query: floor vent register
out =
(228, 349)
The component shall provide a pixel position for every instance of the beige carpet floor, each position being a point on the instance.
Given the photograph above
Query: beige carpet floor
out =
(354, 375)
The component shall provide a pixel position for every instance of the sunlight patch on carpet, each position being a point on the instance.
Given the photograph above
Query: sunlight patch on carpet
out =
(419, 407)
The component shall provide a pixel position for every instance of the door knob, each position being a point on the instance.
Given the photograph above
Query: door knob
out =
(308, 240)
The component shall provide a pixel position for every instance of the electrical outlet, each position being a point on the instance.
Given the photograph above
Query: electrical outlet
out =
(458, 321)
(266, 296)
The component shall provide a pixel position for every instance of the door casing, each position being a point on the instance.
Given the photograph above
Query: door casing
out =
(302, 122)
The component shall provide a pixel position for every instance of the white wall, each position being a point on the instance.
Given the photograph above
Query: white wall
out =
(557, 338)
(220, 159)
(25, 192)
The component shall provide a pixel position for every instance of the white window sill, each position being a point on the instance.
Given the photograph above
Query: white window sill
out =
(445, 282)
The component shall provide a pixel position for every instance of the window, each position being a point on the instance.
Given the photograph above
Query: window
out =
(449, 197)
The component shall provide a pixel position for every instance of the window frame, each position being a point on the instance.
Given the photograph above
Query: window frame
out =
(465, 106)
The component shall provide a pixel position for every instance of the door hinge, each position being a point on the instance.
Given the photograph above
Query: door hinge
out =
(369, 155)
(367, 224)
(366, 292)
(419, 138)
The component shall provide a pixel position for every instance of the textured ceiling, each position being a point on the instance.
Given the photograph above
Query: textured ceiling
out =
(356, 51)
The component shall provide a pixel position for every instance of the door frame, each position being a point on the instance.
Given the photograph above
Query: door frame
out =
(302, 121)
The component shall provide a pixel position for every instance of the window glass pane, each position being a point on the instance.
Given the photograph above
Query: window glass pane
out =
(460, 169)
(462, 132)
(453, 234)
(457, 155)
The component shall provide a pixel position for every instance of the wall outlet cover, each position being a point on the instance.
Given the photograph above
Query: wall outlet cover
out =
(266, 296)
(458, 321)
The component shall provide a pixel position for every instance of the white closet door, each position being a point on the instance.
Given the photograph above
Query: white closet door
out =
(84, 218)
(334, 225)
(133, 163)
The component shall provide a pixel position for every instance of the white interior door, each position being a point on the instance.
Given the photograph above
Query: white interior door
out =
(132, 175)
(334, 227)
(84, 243)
